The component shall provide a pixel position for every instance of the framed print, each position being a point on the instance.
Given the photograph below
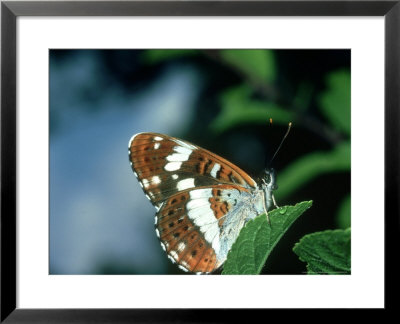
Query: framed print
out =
(252, 143)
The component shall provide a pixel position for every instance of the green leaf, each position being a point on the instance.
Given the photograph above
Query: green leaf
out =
(326, 252)
(155, 56)
(255, 64)
(303, 97)
(257, 239)
(335, 102)
(310, 166)
(238, 109)
(343, 217)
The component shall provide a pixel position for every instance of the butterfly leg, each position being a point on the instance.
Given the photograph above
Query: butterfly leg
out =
(266, 212)
(274, 201)
(269, 221)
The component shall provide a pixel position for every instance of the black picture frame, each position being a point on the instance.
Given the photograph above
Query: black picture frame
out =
(10, 10)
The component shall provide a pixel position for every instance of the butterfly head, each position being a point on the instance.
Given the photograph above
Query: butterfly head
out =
(268, 181)
(268, 185)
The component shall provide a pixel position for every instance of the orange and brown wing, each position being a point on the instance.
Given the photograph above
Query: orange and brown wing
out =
(165, 166)
(181, 238)
(190, 225)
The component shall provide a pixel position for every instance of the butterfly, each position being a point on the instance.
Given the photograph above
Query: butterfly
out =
(202, 200)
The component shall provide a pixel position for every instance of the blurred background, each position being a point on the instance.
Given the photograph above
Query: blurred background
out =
(221, 100)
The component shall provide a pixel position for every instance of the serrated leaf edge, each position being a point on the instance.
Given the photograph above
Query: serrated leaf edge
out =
(316, 258)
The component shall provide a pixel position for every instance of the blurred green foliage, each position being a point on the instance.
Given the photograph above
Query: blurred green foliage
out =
(312, 165)
(258, 65)
(326, 252)
(343, 219)
(257, 239)
(335, 100)
(161, 55)
(232, 113)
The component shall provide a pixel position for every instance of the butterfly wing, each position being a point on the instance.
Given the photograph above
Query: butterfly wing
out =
(198, 226)
(165, 166)
(202, 200)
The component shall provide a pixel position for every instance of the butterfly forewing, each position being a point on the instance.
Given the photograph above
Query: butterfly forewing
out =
(198, 195)
(165, 165)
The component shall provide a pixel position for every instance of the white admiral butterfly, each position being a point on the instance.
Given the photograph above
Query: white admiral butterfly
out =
(202, 200)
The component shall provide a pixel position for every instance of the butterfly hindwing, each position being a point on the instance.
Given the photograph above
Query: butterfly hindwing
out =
(165, 166)
(192, 226)
(180, 237)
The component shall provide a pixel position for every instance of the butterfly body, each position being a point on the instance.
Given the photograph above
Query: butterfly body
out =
(202, 200)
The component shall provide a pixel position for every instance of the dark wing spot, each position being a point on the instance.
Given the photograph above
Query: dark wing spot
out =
(218, 175)
(170, 212)
(233, 178)
(209, 162)
(176, 235)
(186, 228)
(173, 201)
(171, 224)
(194, 252)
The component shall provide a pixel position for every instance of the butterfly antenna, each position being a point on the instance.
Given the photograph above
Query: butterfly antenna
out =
(283, 139)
